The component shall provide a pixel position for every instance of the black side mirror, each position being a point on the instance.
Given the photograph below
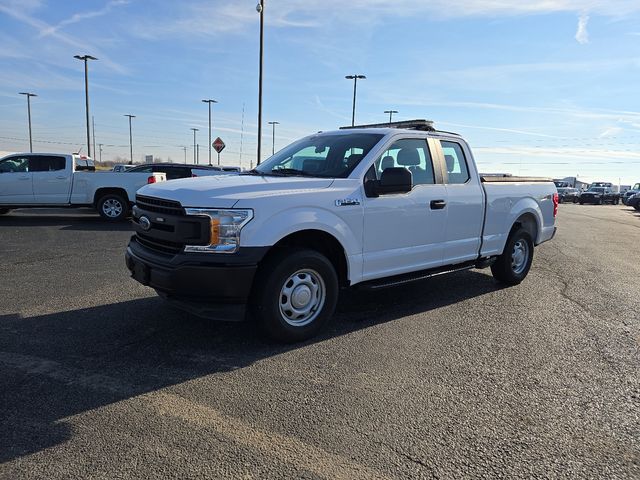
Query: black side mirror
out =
(394, 180)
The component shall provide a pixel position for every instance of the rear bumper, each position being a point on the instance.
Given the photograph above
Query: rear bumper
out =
(215, 286)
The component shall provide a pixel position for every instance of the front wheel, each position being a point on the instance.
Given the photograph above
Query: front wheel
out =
(295, 294)
(113, 207)
(513, 265)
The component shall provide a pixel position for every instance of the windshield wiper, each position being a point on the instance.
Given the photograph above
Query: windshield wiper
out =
(295, 172)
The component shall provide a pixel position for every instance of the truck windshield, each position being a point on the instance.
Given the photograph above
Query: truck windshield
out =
(328, 156)
(636, 187)
(597, 189)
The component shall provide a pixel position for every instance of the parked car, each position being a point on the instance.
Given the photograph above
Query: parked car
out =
(182, 170)
(30, 180)
(599, 196)
(122, 167)
(630, 193)
(371, 206)
(634, 201)
(566, 194)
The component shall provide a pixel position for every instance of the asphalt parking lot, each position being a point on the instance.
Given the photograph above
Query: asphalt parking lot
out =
(447, 378)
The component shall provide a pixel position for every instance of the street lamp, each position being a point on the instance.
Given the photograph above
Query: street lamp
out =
(29, 95)
(85, 58)
(130, 139)
(273, 138)
(194, 145)
(355, 79)
(390, 112)
(260, 10)
(209, 102)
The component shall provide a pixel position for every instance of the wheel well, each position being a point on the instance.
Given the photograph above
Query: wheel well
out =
(101, 192)
(322, 242)
(529, 223)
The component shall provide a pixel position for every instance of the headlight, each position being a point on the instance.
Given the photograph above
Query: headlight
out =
(224, 229)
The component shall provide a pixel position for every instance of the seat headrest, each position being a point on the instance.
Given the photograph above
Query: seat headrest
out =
(451, 162)
(408, 157)
(353, 159)
(387, 162)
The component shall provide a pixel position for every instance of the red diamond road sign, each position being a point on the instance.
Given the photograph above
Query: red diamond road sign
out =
(218, 145)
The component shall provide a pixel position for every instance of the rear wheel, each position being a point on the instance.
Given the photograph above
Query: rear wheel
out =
(113, 207)
(295, 294)
(514, 263)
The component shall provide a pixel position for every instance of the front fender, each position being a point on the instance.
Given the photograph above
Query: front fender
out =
(346, 229)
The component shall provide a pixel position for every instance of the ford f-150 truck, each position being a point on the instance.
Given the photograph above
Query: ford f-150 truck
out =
(29, 180)
(372, 206)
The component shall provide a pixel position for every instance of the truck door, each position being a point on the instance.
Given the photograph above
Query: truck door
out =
(51, 178)
(404, 232)
(16, 185)
(465, 203)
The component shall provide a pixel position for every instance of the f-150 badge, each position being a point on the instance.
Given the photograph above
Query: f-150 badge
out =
(346, 202)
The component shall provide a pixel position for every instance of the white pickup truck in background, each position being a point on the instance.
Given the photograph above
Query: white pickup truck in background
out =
(31, 180)
(370, 206)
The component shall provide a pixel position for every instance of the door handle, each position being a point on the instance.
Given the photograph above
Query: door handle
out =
(61, 177)
(24, 178)
(437, 204)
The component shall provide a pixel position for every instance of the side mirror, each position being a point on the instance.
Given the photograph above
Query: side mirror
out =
(392, 180)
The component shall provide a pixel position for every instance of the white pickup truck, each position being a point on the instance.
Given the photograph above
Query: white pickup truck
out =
(30, 180)
(368, 206)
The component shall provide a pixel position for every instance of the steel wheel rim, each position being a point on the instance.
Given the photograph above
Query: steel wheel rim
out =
(519, 256)
(112, 208)
(302, 297)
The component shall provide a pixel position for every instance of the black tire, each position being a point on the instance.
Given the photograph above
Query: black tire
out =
(270, 304)
(581, 202)
(113, 207)
(637, 206)
(601, 202)
(4, 211)
(506, 269)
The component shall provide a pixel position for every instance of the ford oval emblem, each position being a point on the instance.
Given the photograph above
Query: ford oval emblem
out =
(145, 223)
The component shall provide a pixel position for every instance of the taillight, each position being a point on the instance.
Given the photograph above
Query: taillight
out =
(151, 179)
(193, 175)
(555, 204)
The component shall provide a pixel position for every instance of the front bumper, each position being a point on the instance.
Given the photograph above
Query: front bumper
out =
(215, 286)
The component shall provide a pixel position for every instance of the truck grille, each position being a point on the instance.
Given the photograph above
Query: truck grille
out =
(168, 207)
(158, 245)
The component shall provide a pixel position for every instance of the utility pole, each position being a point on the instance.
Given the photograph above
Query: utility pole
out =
(198, 156)
(100, 150)
(273, 136)
(390, 112)
(85, 58)
(185, 153)
(355, 79)
(209, 102)
(194, 145)
(241, 134)
(260, 10)
(130, 139)
(29, 95)
(93, 133)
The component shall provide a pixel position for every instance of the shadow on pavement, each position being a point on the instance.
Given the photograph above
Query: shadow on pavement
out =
(58, 365)
(89, 221)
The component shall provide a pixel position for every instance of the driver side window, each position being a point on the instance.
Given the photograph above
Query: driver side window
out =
(14, 165)
(412, 154)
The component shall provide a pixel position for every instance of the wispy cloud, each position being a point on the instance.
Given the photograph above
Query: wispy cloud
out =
(582, 36)
(78, 17)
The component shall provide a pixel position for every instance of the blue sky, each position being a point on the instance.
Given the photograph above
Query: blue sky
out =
(542, 88)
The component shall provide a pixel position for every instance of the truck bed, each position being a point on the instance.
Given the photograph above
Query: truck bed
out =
(512, 179)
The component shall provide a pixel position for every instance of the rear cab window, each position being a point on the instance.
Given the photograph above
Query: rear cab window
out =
(45, 163)
(455, 162)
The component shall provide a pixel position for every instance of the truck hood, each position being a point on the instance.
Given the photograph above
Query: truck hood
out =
(224, 191)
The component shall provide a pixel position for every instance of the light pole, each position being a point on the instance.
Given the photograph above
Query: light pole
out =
(85, 58)
(194, 145)
(130, 139)
(390, 112)
(355, 79)
(209, 102)
(260, 10)
(29, 95)
(273, 137)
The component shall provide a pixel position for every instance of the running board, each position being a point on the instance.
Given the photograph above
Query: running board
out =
(423, 274)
